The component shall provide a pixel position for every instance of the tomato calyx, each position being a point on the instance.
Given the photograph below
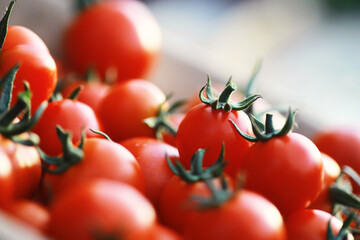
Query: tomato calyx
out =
(196, 171)
(264, 132)
(71, 154)
(223, 101)
(218, 196)
(344, 231)
(17, 119)
(160, 122)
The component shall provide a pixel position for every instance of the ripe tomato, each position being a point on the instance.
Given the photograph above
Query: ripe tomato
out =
(124, 109)
(102, 159)
(246, 215)
(331, 172)
(288, 170)
(7, 186)
(342, 144)
(311, 224)
(99, 208)
(128, 30)
(203, 127)
(175, 204)
(30, 213)
(92, 92)
(150, 154)
(24, 47)
(71, 115)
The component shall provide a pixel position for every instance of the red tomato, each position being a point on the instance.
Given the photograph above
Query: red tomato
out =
(288, 170)
(331, 172)
(30, 213)
(204, 127)
(124, 109)
(71, 115)
(92, 92)
(150, 154)
(119, 36)
(342, 144)
(102, 159)
(311, 224)
(25, 168)
(175, 205)
(99, 208)
(20, 35)
(246, 215)
(24, 47)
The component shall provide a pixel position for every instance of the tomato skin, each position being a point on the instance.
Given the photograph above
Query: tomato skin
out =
(124, 109)
(311, 224)
(19, 35)
(331, 172)
(247, 215)
(36, 67)
(131, 50)
(288, 170)
(150, 154)
(71, 115)
(92, 92)
(102, 159)
(157, 232)
(203, 127)
(99, 207)
(175, 119)
(342, 144)
(30, 213)
(7, 185)
(175, 205)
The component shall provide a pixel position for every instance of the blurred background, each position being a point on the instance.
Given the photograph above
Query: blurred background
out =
(310, 49)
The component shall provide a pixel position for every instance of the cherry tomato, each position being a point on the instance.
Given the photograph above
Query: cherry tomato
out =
(99, 208)
(342, 144)
(311, 224)
(102, 159)
(175, 204)
(71, 115)
(119, 36)
(25, 168)
(246, 215)
(288, 170)
(23, 46)
(124, 109)
(150, 154)
(30, 213)
(7, 186)
(203, 127)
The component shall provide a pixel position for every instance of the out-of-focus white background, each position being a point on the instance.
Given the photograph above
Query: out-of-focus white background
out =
(310, 49)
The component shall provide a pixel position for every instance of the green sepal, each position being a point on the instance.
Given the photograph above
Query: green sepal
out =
(71, 154)
(74, 94)
(160, 122)
(218, 196)
(223, 101)
(102, 134)
(6, 83)
(344, 231)
(196, 171)
(83, 4)
(265, 132)
(4, 22)
(343, 197)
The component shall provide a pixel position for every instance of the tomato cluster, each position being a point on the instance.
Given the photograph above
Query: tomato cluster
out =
(97, 151)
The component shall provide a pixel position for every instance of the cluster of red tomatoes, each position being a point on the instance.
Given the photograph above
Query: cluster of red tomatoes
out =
(94, 150)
